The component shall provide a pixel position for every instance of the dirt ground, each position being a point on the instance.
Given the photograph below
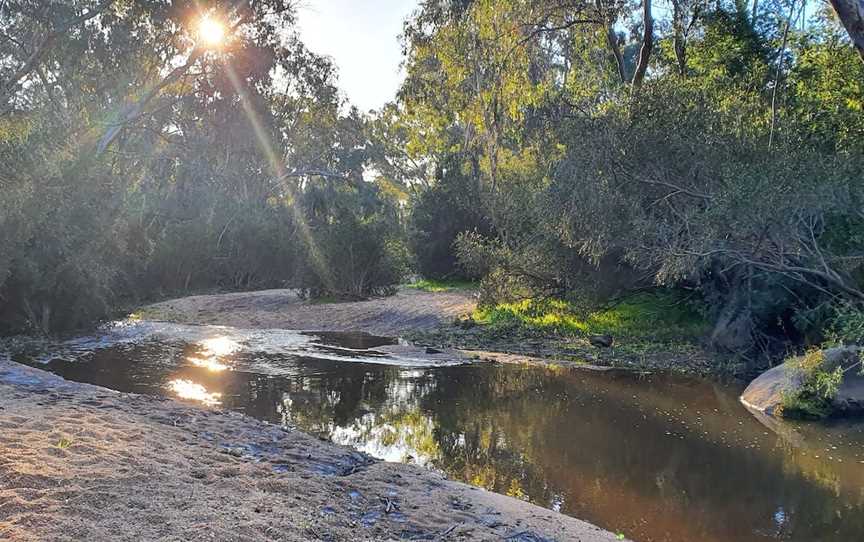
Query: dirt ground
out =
(407, 311)
(79, 462)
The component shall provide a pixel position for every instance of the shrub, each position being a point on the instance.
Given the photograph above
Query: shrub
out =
(847, 325)
(818, 387)
(354, 246)
(439, 215)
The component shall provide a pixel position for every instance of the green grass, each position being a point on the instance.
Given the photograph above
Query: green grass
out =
(653, 316)
(432, 285)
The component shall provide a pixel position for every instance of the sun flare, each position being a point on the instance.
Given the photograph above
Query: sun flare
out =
(211, 32)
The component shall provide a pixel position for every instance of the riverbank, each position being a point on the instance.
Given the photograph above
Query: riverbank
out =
(408, 310)
(440, 320)
(85, 463)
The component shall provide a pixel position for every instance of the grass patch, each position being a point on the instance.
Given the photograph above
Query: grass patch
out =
(434, 286)
(649, 316)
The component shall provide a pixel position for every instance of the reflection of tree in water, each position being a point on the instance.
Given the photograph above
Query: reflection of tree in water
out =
(612, 450)
(486, 423)
(320, 402)
(658, 458)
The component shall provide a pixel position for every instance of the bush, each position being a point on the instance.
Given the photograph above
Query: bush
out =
(439, 214)
(818, 388)
(847, 325)
(353, 245)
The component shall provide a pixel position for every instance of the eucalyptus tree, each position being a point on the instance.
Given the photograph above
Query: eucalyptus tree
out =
(156, 147)
(713, 151)
(851, 14)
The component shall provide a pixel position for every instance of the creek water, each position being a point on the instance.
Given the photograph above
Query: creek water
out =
(656, 457)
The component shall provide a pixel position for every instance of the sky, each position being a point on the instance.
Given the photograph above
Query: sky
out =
(361, 36)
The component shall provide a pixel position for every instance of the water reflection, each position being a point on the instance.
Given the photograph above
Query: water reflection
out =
(212, 364)
(658, 458)
(219, 346)
(186, 389)
(212, 352)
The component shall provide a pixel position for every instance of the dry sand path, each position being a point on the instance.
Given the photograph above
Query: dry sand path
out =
(407, 310)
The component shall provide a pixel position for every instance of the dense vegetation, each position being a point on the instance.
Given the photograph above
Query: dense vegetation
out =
(138, 161)
(716, 149)
(566, 152)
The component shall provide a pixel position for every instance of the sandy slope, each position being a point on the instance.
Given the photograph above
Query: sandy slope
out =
(407, 310)
(78, 462)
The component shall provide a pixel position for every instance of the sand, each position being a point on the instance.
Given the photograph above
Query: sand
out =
(79, 462)
(408, 310)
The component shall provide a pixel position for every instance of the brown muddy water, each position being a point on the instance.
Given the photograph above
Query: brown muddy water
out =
(656, 457)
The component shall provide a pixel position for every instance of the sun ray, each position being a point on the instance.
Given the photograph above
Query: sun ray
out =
(280, 172)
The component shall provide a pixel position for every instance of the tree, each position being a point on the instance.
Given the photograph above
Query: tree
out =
(661, 149)
(851, 15)
(137, 163)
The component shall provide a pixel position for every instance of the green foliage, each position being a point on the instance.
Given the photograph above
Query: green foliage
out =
(448, 208)
(818, 388)
(520, 151)
(847, 325)
(119, 182)
(734, 169)
(651, 316)
(354, 247)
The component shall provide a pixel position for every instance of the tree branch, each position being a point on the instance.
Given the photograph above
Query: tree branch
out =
(9, 87)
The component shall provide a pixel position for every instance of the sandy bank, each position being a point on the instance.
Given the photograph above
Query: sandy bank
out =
(424, 318)
(79, 462)
(407, 310)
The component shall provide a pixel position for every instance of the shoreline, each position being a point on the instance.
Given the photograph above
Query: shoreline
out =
(86, 462)
(271, 482)
(424, 319)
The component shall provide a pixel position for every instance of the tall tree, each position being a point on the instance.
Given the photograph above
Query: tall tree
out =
(851, 14)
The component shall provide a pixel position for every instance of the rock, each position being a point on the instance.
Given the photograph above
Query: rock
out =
(433, 351)
(765, 393)
(465, 322)
(850, 396)
(601, 341)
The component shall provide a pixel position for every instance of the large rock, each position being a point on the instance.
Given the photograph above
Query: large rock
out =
(765, 393)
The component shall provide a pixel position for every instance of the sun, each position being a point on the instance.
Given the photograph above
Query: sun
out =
(211, 32)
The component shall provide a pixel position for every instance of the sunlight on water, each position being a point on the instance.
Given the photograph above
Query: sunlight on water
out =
(186, 389)
(212, 350)
(219, 346)
(211, 364)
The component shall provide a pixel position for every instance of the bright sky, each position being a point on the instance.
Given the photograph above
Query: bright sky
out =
(361, 37)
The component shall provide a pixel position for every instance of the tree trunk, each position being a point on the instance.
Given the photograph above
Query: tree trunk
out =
(612, 40)
(851, 14)
(678, 37)
(780, 59)
(733, 329)
(647, 46)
